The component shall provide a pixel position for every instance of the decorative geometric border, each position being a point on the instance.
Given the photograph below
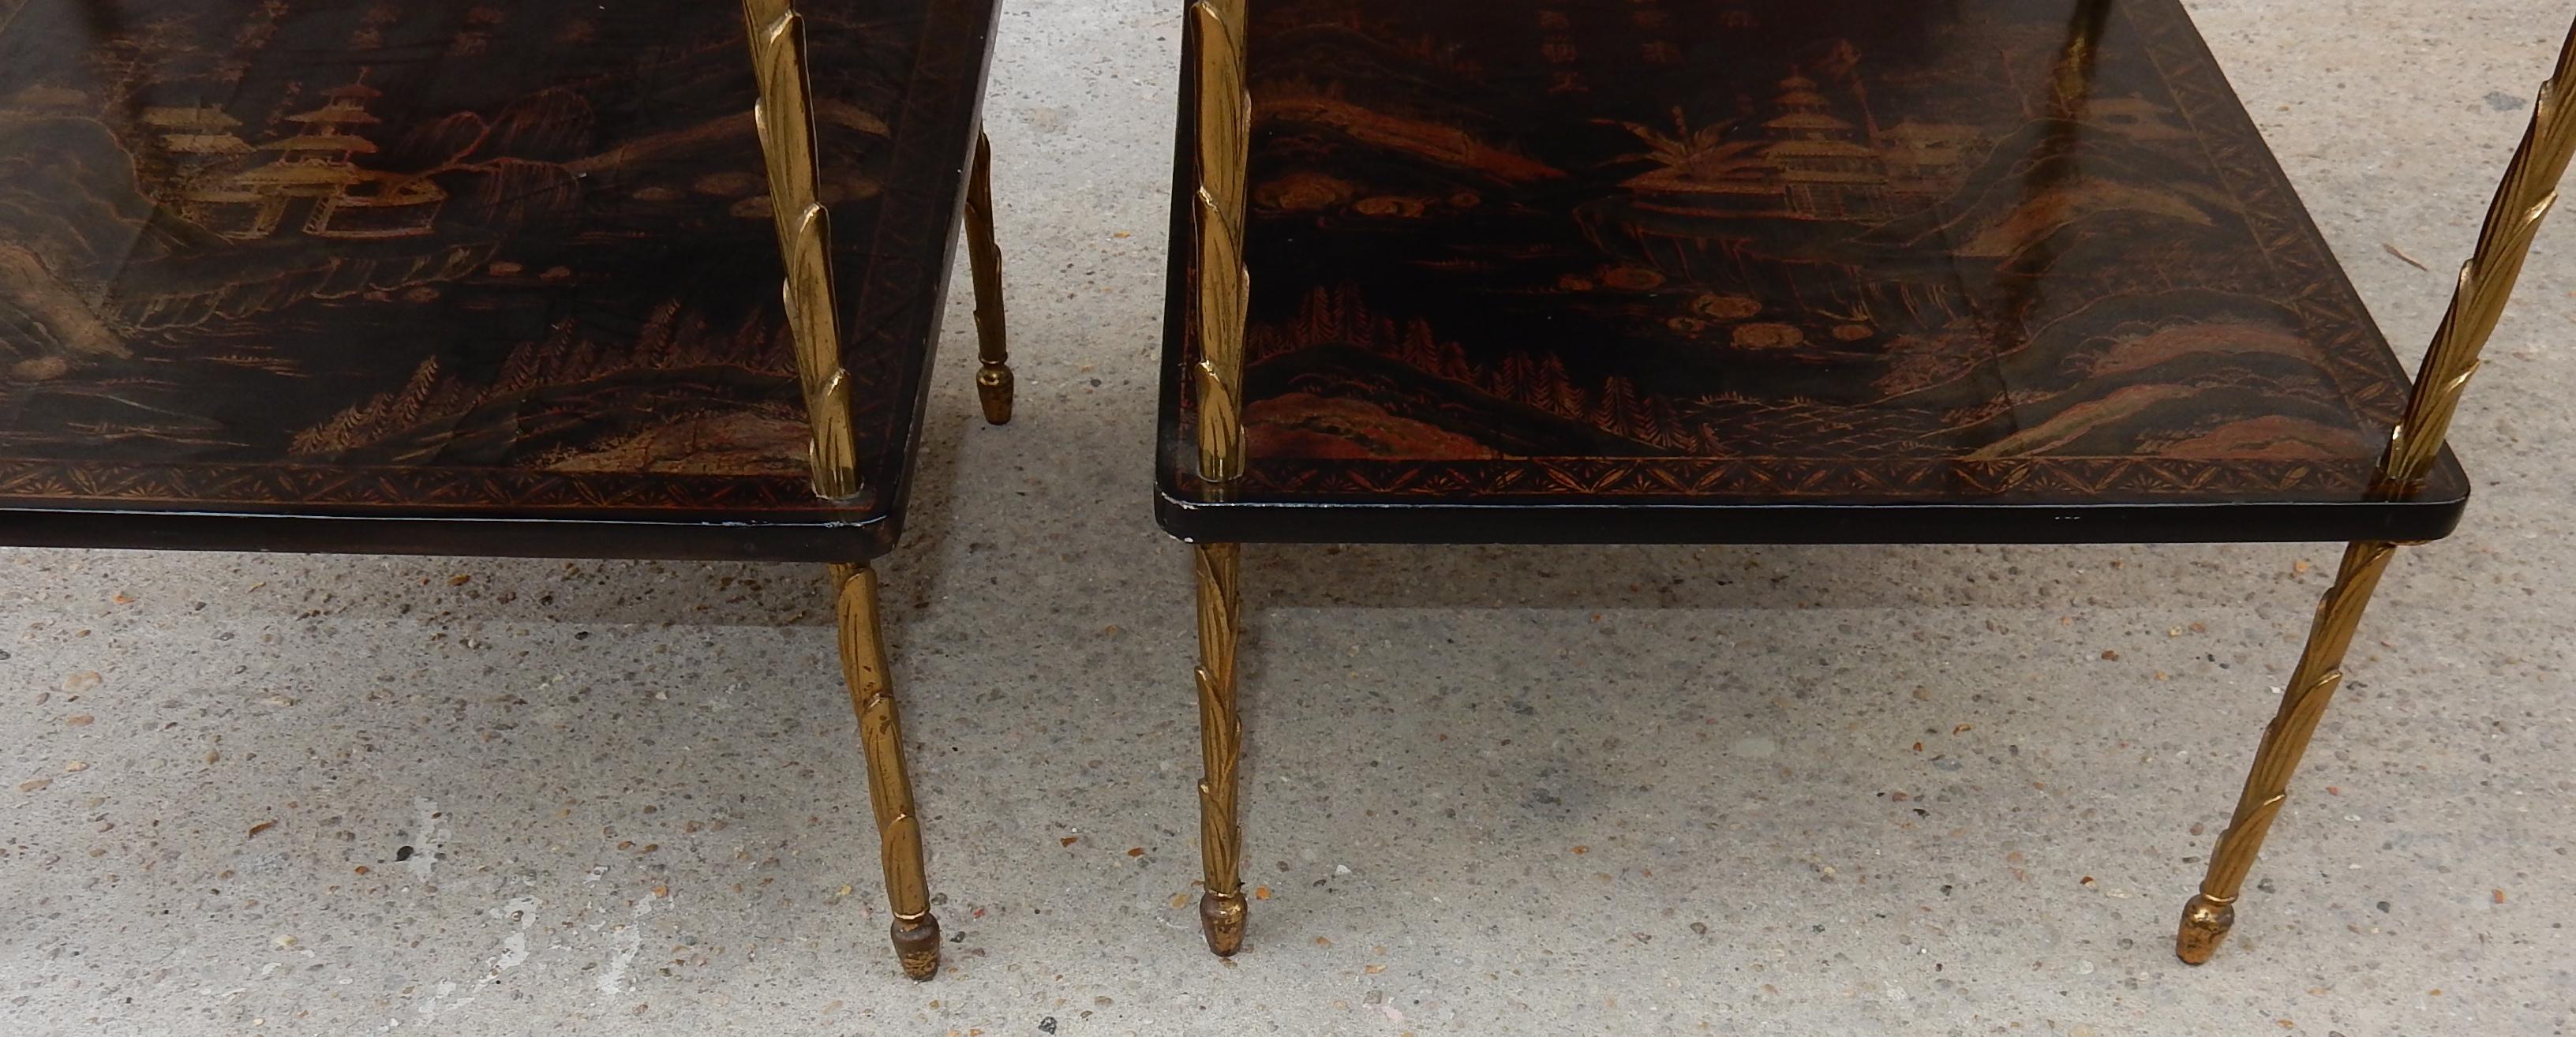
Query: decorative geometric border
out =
(1751, 480)
(425, 492)
(2365, 370)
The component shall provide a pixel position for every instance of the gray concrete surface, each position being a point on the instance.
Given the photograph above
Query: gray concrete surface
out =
(1493, 791)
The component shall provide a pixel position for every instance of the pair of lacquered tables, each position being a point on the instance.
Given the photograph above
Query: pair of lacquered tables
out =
(410, 277)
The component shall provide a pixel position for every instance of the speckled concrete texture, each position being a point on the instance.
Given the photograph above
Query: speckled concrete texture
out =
(1491, 791)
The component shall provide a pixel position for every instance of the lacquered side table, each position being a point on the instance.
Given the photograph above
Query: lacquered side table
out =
(411, 277)
(1777, 271)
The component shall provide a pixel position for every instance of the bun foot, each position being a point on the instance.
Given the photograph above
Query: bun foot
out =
(916, 944)
(1222, 917)
(2205, 923)
(993, 383)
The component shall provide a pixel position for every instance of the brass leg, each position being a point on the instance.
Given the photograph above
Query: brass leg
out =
(2209, 915)
(863, 661)
(993, 381)
(1220, 590)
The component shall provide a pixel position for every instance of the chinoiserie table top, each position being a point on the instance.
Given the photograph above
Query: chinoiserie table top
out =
(501, 277)
(1781, 270)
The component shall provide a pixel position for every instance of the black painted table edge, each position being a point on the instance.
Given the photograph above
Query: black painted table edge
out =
(780, 520)
(1185, 508)
(591, 535)
(1278, 522)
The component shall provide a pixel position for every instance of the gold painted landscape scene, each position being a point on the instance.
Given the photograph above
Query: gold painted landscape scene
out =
(1827, 229)
(529, 235)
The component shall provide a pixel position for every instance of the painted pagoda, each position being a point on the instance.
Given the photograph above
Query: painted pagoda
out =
(311, 181)
(1810, 163)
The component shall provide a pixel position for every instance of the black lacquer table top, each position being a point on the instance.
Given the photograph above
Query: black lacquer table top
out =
(1781, 270)
(407, 275)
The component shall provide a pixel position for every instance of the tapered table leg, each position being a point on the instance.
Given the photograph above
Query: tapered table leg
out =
(994, 383)
(863, 661)
(2522, 202)
(2210, 914)
(1222, 911)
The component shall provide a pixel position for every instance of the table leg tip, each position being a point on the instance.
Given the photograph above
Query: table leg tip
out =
(994, 385)
(1222, 916)
(2204, 926)
(916, 945)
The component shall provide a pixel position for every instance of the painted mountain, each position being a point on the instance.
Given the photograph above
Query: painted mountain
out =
(1787, 229)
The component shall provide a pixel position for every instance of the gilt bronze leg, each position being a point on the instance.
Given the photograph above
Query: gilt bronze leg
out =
(1220, 590)
(993, 381)
(863, 661)
(2209, 915)
(2486, 283)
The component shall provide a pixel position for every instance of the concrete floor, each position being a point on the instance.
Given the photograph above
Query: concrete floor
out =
(1492, 791)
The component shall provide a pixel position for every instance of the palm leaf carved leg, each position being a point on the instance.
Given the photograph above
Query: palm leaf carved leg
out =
(863, 661)
(1220, 593)
(2209, 915)
(993, 381)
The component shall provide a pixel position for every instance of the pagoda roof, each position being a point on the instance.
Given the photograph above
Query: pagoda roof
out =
(196, 117)
(1820, 149)
(339, 142)
(1674, 181)
(206, 144)
(291, 174)
(1809, 121)
(360, 91)
(1804, 99)
(338, 112)
(1820, 176)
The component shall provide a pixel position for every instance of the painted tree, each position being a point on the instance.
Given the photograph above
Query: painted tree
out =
(1621, 412)
(1562, 397)
(1511, 379)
